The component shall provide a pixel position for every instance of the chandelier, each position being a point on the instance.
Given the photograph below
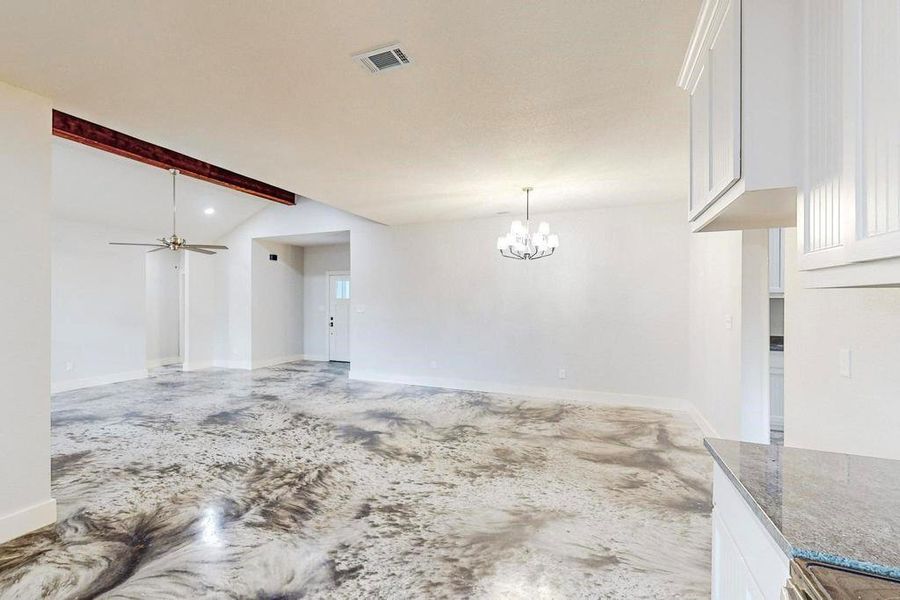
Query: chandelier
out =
(521, 244)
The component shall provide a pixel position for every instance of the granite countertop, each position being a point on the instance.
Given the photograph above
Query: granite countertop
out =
(836, 508)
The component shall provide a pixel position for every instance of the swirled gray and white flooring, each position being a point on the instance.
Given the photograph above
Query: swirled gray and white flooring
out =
(295, 482)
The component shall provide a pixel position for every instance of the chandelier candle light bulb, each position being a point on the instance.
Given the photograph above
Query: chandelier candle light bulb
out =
(521, 244)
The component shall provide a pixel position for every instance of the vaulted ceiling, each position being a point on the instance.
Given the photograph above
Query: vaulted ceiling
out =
(118, 193)
(575, 98)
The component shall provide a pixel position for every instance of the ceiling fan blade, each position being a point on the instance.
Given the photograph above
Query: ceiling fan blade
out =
(157, 249)
(133, 244)
(200, 250)
(214, 247)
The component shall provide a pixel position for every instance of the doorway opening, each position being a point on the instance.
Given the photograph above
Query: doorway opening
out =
(339, 316)
(301, 308)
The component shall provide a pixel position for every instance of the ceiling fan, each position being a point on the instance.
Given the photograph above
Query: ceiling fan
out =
(174, 242)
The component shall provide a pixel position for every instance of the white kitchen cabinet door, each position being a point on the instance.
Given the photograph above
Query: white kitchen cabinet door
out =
(741, 69)
(877, 213)
(776, 390)
(826, 195)
(732, 579)
(849, 207)
(746, 562)
(716, 109)
(776, 262)
(700, 144)
(724, 66)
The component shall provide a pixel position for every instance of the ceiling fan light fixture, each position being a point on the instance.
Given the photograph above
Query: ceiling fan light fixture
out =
(174, 242)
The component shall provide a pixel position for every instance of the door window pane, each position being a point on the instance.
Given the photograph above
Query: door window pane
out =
(342, 289)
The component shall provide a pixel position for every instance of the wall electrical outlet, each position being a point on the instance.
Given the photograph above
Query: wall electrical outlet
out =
(70, 366)
(433, 364)
(562, 374)
(729, 321)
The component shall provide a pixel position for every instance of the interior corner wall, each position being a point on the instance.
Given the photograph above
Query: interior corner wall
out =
(232, 306)
(201, 294)
(98, 328)
(25, 502)
(317, 261)
(163, 306)
(824, 410)
(277, 303)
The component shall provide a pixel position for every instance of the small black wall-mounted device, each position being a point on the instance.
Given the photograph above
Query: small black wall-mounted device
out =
(273, 257)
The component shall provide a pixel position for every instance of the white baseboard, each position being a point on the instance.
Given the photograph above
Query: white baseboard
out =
(315, 357)
(27, 520)
(248, 365)
(704, 425)
(77, 384)
(550, 393)
(198, 365)
(271, 362)
(162, 362)
(588, 397)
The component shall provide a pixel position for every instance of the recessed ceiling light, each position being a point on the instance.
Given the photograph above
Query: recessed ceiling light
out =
(209, 211)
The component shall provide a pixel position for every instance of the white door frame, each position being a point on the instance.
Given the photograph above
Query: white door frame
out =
(328, 275)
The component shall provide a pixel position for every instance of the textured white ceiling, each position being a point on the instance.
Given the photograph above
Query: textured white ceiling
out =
(576, 98)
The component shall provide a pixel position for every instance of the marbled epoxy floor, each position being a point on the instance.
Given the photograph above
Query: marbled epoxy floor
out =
(293, 482)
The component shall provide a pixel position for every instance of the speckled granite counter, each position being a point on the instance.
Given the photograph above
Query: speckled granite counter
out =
(835, 508)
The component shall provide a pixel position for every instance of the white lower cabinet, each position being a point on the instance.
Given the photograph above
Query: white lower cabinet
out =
(747, 564)
(776, 390)
(776, 262)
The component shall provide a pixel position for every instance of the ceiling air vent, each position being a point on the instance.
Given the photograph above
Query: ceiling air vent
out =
(382, 59)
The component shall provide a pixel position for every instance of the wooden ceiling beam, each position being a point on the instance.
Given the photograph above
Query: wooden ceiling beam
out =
(106, 139)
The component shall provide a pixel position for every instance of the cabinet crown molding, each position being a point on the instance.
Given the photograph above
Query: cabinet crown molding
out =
(698, 43)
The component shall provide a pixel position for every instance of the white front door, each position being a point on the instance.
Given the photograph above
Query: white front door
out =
(339, 317)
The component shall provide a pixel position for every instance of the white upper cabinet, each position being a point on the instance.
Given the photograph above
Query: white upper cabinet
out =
(740, 70)
(776, 263)
(878, 189)
(849, 206)
(724, 62)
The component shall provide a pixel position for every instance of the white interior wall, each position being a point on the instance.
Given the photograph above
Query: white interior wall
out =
(317, 261)
(25, 159)
(231, 335)
(163, 300)
(99, 328)
(715, 347)
(609, 308)
(201, 296)
(755, 408)
(729, 333)
(277, 303)
(824, 410)
(435, 303)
